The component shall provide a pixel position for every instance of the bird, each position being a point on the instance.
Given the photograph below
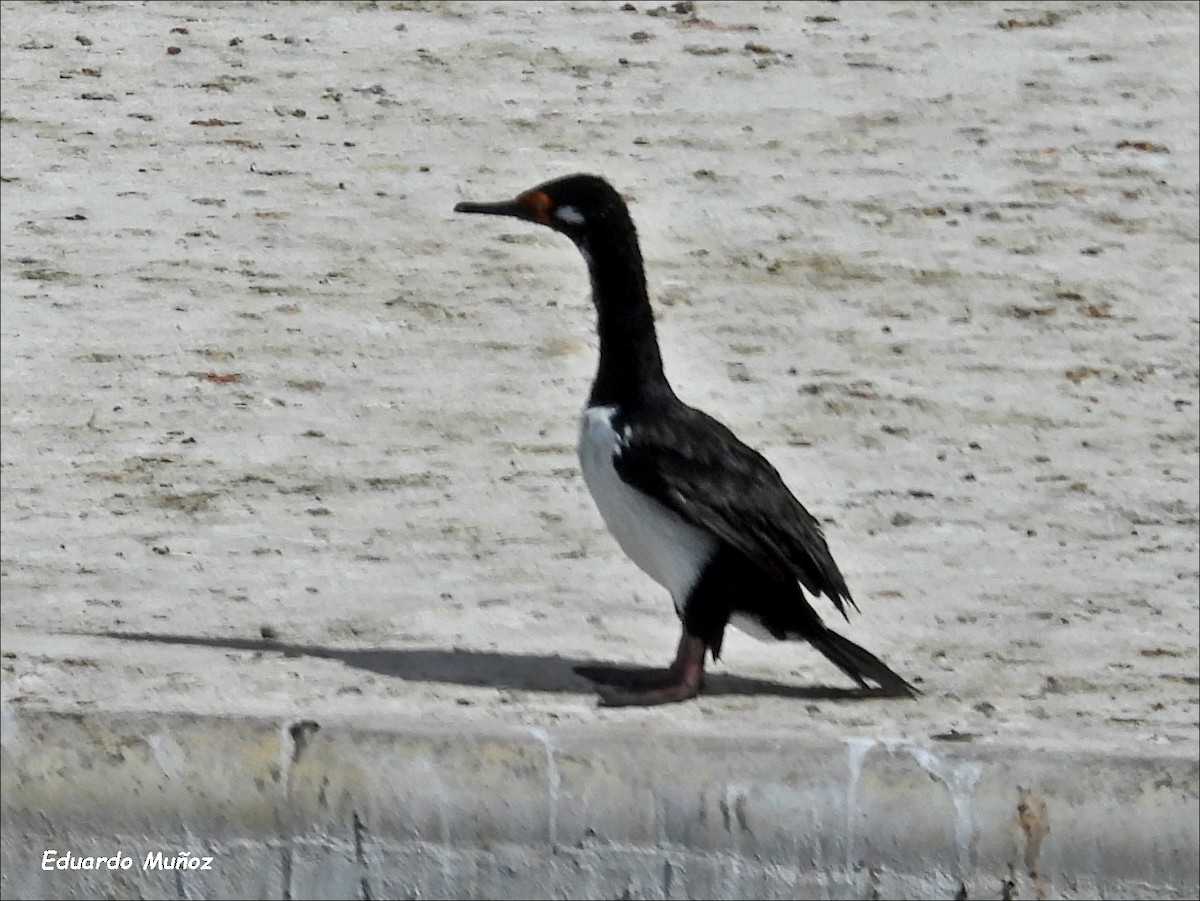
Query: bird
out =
(699, 511)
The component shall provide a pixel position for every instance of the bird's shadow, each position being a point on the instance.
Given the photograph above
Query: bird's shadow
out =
(528, 672)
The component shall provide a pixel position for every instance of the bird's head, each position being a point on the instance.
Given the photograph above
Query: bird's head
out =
(576, 205)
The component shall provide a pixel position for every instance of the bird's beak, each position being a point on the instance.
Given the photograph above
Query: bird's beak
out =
(504, 208)
(532, 206)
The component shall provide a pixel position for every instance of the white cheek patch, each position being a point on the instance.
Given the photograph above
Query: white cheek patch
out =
(569, 215)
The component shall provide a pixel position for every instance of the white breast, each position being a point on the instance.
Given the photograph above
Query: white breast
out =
(668, 549)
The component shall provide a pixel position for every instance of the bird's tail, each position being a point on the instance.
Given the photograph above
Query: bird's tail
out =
(859, 664)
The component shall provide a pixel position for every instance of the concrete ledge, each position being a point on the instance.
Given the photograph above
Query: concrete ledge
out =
(301, 809)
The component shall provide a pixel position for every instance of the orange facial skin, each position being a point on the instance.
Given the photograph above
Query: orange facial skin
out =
(540, 204)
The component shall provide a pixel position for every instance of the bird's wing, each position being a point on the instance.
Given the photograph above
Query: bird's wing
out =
(699, 469)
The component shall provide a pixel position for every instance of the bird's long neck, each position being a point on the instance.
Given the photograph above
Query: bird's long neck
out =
(630, 363)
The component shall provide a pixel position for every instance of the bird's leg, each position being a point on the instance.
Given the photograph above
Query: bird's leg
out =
(681, 681)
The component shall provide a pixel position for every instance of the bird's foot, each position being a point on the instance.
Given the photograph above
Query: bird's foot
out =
(681, 689)
(681, 681)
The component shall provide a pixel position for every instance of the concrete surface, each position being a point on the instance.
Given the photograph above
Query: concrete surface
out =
(340, 809)
(286, 440)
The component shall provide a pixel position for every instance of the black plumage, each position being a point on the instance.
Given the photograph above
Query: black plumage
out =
(700, 511)
(697, 467)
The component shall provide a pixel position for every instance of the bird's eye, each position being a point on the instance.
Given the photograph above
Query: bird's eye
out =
(569, 215)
